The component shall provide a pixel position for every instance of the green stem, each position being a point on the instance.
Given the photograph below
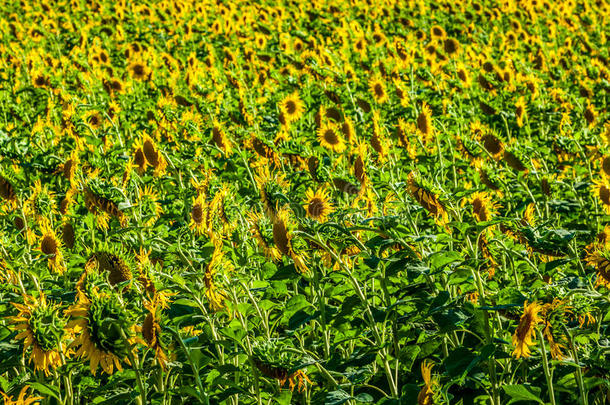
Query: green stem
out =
(545, 365)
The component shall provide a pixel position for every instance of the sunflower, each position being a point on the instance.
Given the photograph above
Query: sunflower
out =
(199, 213)
(599, 260)
(153, 155)
(520, 111)
(21, 399)
(318, 205)
(151, 331)
(149, 205)
(41, 204)
(104, 331)
(292, 107)
(483, 207)
(525, 332)
(284, 239)
(50, 246)
(378, 90)
(426, 394)
(94, 119)
(330, 139)
(103, 208)
(8, 191)
(428, 200)
(117, 267)
(271, 188)
(424, 122)
(139, 70)
(348, 130)
(261, 228)
(41, 327)
(215, 296)
(220, 139)
(601, 188)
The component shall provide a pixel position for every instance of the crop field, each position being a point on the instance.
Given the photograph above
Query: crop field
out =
(305, 202)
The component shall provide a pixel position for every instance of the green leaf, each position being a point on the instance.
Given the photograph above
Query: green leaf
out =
(519, 392)
(46, 390)
(337, 397)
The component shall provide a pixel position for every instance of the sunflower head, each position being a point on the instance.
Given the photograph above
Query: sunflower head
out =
(330, 137)
(317, 204)
(525, 332)
(115, 264)
(41, 326)
(292, 107)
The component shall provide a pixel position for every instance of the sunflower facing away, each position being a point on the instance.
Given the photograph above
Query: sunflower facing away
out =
(42, 328)
(104, 331)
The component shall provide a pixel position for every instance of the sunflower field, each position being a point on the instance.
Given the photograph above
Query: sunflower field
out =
(305, 202)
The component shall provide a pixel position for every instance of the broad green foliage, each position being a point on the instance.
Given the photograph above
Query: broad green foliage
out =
(308, 202)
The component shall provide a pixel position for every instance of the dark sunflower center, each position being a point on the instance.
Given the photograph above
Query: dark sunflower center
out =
(138, 69)
(48, 245)
(291, 107)
(331, 137)
(316, 207)
(197, 213)
(524, 326)
(378, 90)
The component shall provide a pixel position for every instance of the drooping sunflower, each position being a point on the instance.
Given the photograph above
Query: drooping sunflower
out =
(41, 327)
(601, 189)
(599, 260)
(8, 191)
(153, 155)
(483, 206)
(220, 139)
(426, 394)
(151, 331)
(41, 204)
(117, 267)
(424, 122)
(104, 330)
(272, 362)
(428, 200)
(526, 330)
(292, 107)
(317, 204)
(520, 111)
(103, 208)
(329, 137)
(284, 240)
(217, 265)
